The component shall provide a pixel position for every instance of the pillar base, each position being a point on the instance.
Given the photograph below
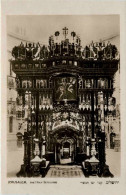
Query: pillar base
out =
(25, 171)
(91, 166)
(94, 169)
(105, 172)
(38, 168)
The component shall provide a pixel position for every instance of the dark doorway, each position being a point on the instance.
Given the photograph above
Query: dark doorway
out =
(112, 142)
(66, 150)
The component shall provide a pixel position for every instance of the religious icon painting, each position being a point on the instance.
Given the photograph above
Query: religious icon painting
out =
(11, 82)
(65, 88)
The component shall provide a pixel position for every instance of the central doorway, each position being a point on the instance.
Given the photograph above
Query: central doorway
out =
(66, 150)
(65, 146)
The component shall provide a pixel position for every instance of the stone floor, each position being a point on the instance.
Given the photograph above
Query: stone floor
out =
(113, 159)
(15, 159)
(65, 171)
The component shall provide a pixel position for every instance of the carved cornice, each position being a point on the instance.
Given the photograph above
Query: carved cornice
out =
(89, 68)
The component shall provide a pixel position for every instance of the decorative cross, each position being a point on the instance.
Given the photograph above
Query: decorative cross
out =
(65, 32)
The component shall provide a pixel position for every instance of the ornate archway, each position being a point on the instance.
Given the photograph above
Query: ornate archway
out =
(65, 142)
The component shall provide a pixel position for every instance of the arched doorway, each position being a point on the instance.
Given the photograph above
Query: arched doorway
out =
(112, 140)
(65, 145)
(68, 151)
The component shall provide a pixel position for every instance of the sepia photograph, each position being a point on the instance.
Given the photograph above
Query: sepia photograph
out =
(63, 96)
